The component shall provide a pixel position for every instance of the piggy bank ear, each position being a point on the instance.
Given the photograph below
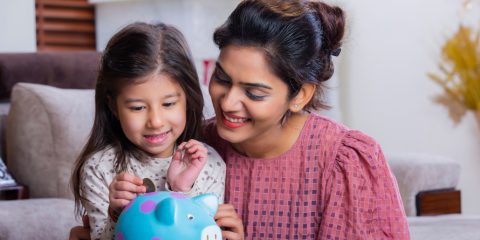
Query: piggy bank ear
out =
(166, 211)
(209, 201)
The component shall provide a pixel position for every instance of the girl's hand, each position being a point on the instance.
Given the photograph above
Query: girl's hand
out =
(123, 189)
(227, 217)
(182, 174)
(79, 232)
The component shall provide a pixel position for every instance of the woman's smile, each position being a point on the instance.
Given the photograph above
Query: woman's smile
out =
(233, 121)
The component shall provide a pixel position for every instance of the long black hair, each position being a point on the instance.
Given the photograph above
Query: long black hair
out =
(136, 51)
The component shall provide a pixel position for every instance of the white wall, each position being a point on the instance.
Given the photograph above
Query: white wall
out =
(17, 26)
(385, 91)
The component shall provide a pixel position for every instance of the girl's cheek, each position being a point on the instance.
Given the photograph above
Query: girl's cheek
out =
(179, 119)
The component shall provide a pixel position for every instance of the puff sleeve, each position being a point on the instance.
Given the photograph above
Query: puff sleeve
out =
(361, 198)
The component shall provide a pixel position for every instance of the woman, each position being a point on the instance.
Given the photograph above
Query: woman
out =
(292, 174)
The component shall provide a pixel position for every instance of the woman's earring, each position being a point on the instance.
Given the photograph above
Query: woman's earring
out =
(296, 105)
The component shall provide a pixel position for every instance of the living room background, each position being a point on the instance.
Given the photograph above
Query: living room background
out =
(380, 87)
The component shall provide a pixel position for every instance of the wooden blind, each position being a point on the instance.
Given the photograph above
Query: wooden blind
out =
(65, 25)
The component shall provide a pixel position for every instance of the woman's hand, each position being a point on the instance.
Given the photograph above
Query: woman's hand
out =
(79, 232)
(181, 174)
(227, 217)
(123, 189)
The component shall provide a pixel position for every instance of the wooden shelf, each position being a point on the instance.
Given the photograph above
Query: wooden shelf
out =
(65, 25)
(15, 192)
(66, 13)
(431, 203)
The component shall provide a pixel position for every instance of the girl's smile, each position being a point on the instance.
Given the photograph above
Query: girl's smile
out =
(156, 138)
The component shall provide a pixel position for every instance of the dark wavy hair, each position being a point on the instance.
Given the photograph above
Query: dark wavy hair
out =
(297, 37)
(137, 51)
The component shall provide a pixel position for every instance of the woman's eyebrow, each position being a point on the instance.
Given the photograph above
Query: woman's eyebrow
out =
(256, 85)
(221, 69)
(248, 84)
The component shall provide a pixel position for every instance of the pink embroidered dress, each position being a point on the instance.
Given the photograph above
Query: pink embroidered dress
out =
(334, 183)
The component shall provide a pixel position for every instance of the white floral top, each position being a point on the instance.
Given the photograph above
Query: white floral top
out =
(98, 172)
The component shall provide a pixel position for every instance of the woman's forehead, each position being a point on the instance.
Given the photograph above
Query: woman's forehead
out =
(246, 64)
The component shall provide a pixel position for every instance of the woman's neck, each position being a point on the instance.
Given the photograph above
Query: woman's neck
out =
(276, 141)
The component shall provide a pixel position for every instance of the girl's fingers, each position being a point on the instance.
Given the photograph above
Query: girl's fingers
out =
(201, 156)
(123, 195)
(182, 146)
(177, 156)
(127, 177)
(128, 186)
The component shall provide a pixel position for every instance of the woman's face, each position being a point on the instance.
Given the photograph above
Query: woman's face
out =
(248, 99)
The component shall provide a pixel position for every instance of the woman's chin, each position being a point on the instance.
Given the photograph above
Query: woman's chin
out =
(232, 137)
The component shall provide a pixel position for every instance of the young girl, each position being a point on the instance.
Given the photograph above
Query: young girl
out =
(148, 103)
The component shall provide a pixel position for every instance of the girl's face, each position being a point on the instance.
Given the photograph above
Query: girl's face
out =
(248, 99)
(153, 114)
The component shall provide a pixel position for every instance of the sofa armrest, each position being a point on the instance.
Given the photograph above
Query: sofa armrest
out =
(47, 128)
(418, 172)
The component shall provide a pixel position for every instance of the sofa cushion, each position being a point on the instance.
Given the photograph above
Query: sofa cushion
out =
(60, 69)
(50, 218)
(417, 172)
(46, 129)
(445, 227)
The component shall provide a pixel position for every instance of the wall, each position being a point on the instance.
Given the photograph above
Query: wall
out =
(17, 26)
(385, 91)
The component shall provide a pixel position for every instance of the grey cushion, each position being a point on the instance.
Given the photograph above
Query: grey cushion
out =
(37, 219)
(46, 129)
(416, 172)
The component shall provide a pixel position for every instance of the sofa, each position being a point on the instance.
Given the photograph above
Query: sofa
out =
(47, 127)
(73, 70)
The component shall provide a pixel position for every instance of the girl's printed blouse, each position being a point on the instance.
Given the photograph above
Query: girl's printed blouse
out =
(334, 183)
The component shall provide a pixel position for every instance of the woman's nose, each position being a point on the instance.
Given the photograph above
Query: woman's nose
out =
(155, 119)
(231, 102)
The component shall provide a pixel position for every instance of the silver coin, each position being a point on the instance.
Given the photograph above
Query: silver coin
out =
(149, 185)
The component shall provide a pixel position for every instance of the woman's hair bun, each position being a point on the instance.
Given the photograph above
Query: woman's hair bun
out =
(332, 21)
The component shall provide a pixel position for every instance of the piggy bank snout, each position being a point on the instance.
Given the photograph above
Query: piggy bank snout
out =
(212, 232)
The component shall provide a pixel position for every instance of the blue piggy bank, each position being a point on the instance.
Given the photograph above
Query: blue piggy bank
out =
(169, 216)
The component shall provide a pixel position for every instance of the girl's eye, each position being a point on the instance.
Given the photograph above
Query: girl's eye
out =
(168, 104)
(254, 97)
(137, 108)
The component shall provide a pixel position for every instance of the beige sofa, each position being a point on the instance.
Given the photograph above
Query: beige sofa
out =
(47, 127)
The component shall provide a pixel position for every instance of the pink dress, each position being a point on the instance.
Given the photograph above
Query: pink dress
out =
(334, 183)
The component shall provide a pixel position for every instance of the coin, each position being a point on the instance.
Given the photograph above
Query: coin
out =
(149, 185)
